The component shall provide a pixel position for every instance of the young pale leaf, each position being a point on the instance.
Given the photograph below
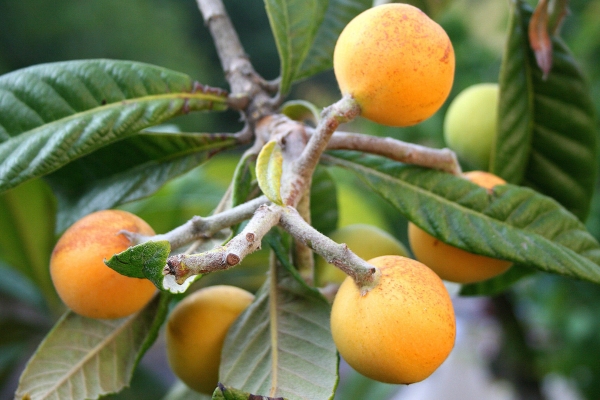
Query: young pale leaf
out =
(294, 24)
(498, 284)
(52, 114)
(301, 110)
(546, 132)
(145, 260)
(512, 223)
(83, 358)
(269, 167)
(282, 345)
(323, 201)
(339, 13)
(128, 170)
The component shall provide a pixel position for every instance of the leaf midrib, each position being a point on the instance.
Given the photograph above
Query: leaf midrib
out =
(121, 104)
(92, 353)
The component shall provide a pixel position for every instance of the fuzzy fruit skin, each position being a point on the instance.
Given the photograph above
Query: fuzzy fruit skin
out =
(402, 330)
(196, 330)
(449, 262)
(470, 124)
(84, 283)
(396, 62)
(366, 241)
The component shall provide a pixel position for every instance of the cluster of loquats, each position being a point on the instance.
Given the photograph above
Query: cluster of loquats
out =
(398, 65)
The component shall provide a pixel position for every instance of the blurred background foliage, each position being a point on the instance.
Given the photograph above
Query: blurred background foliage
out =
(558, 319)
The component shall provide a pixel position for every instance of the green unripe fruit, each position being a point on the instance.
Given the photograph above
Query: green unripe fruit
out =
(366, 241)
(470, 124)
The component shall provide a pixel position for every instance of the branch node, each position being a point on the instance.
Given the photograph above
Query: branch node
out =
(232, 259)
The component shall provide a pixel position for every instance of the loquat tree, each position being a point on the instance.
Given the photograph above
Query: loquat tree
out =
(85, 136)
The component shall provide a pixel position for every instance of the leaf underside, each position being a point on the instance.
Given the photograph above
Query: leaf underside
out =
(282, 345)
(85, 358)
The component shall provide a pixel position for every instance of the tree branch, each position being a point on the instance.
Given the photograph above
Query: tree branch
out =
(204, 227)
(243, 79)
(182, 266)
(342, 111)
(409, 153)
(364, 274)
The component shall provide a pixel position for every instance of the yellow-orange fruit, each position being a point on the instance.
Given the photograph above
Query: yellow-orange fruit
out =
(402, 330)
(396, 62)
(366, 241)
(83, 282)
(449, 262)
(196, 330)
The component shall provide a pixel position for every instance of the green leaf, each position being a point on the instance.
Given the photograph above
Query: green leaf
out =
(498, 284)
(85, 358)
(546, 135)
(269, 167)
(52, 114)
(301, 110)
(323, 201)
(242, 180)
(16, 285)
(294, 24)
(145, 260)
(512, 223)
(27, 238)
(128, 170)
(320, 57)
(242, 185)
(227, 393)
(282, 345)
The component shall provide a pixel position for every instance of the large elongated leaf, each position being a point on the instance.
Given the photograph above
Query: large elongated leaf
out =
(281, 345)
(52, 114)
(546, 135)
(128, 170)
(27, 226)
(294, 24)
(84, 358)
(512, 223)
(323, 201)
(320, 57)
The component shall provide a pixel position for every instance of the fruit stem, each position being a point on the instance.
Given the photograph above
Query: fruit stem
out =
(344, 110)
(364, 274)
